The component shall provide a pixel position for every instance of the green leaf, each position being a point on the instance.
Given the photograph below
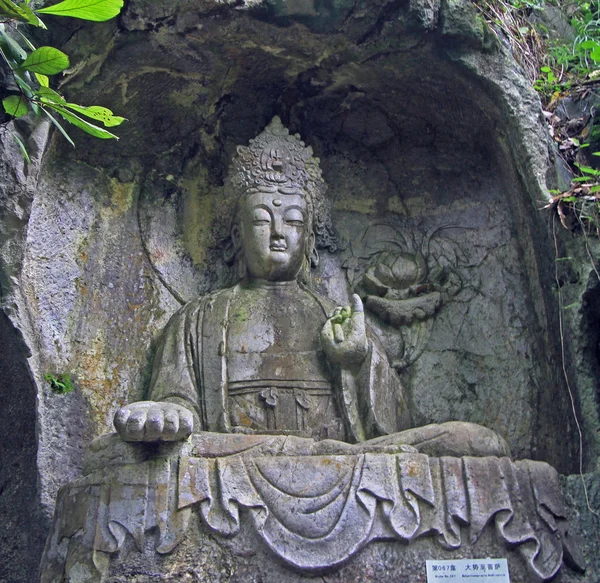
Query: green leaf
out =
(59, 127)
(22, 148)
(60, 383)
(11, 48)
(588, 170)
(42, 80)
(595, 153)
(15, 105)
(23, 84)
(87, 127)
(10, 9)
(589, 44)
(46, 60)
(96, 10)
(595, 188)
(47, 95)
(20, 12)
(99, 113)
(546, 69)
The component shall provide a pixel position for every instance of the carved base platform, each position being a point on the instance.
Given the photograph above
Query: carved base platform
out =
(281, 509)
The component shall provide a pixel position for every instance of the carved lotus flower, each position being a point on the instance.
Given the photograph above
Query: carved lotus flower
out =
(395, 270)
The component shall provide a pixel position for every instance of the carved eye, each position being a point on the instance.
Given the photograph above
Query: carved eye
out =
(294, 217)
(261, 217)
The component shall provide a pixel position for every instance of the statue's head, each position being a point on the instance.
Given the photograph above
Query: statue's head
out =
(280, 216)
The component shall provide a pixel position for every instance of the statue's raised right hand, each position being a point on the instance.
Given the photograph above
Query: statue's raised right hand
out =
(344, 336)
(153, 421)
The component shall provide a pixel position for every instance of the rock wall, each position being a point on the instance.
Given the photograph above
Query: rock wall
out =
(430, 140)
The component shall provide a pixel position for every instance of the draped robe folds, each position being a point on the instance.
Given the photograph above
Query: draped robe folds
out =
(190, 369)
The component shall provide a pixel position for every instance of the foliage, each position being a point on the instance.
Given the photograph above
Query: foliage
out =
(571, 63)
(60, 383)
(551, 65)
(510, 21)
(558, 68)
(580, 205)
(31, 67)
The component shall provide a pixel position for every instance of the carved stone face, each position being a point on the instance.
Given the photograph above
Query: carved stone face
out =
(274, 232)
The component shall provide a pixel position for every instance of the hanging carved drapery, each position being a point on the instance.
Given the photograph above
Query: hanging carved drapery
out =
(317, 523)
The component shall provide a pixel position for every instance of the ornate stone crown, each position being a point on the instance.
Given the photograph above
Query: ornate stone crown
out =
(278, 161)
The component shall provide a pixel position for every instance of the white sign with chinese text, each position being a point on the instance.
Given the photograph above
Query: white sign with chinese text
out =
(468, 570)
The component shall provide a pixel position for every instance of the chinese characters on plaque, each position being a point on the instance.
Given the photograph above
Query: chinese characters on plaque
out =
(472, 570)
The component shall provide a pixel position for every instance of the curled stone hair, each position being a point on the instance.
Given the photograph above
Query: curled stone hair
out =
(276, 161)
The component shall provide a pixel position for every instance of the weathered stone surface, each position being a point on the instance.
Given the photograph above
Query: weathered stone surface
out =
(314, 512)
(23, 531)
(461, 24)
(414, 128)
(271, 358)
(582, 499)
(24, 525)
(270, 355)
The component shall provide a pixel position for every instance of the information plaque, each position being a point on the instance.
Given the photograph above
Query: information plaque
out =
(471, 570)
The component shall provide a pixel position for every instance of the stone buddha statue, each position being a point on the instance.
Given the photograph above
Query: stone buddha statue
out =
(270, 355)
(299, 431)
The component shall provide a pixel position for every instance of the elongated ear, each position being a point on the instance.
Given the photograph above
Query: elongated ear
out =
(236, 236)
(233, 244)
(311, 251)
(314, 258)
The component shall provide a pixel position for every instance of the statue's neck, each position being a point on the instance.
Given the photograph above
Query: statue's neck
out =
(270, 285)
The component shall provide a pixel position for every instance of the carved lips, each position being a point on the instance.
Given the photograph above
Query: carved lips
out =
(278, 246)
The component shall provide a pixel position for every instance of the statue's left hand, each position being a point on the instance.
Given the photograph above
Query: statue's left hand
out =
(344, 336)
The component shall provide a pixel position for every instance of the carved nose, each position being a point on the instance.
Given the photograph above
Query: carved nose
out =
(276, 228)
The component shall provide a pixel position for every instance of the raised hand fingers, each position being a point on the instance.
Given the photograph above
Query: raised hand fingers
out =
(344, 337)
(332, 330)
(358, 317)
(357, 305)
(338, 332)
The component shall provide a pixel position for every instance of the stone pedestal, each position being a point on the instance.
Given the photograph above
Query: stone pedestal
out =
(282, 509)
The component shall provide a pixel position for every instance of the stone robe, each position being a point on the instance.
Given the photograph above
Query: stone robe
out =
(203, 339)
